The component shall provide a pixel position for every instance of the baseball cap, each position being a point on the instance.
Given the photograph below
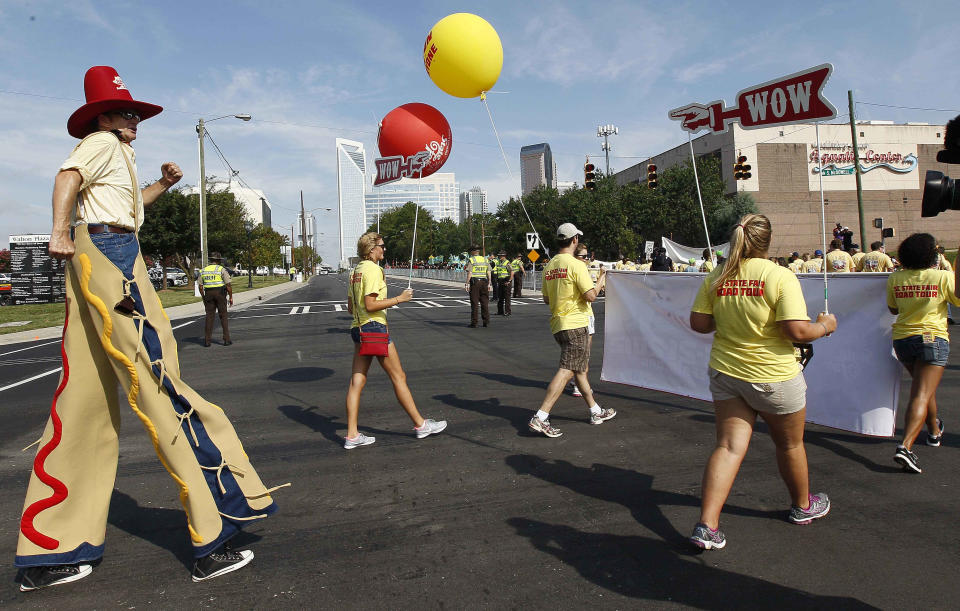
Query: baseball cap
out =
(795, 254)
(691, 261)
(817, 253)
(567, 231)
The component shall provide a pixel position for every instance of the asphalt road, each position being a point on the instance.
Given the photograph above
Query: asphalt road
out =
(486, 514)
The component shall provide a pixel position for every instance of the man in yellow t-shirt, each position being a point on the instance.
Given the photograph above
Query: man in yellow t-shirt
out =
(568, 290)
(857, 255)
(838, 261)
(876, 260)
(814, 265)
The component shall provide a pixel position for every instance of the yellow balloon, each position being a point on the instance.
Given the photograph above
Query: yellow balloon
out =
(463, 55)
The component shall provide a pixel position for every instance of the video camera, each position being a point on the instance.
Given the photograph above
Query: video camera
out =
(940, 191)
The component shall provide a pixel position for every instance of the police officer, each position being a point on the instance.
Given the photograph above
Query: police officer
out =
(494, 280)
(478, 285)
(214, 283)
(504, 273)
(517, 265)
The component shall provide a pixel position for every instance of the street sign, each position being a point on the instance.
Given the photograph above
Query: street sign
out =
(648, 247)
(533, 241)
(533, 256)
(795, 98)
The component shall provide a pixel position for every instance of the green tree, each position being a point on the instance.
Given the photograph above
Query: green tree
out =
(5, 260)
(396, 227)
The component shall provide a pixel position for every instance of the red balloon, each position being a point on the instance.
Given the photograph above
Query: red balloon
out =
(415, 127)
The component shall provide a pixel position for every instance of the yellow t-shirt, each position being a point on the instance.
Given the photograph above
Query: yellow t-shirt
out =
(921, 295)
(876, 261)
(707, 266)
(748, 344)
(106, 189)
(367, 279)
(644, 267)
(565, 280)
(797, 266)
(813, 266)
(839, 261)
(857, 258)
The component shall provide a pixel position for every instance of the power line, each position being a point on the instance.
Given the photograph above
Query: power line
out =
(909, 107)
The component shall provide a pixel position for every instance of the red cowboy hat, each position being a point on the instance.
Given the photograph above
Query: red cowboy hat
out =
(105, 92)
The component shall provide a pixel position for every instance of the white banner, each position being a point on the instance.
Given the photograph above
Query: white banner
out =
(681, 254)
(853, 380)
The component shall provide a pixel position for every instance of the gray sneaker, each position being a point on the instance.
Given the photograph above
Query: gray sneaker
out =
(704, 538)
(934, 440)
(604, 415)
(359, 440)
(543, 426)
(430, 427)
(819, 507)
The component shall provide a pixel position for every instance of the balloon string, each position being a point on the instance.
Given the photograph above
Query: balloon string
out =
(416, 214)
(483, 98)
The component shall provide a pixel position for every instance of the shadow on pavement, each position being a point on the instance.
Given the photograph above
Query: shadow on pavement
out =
(644, 568)
(328, 426)
(631, 489)
(301, 374)
(447, 323)
(164, 528)
(519, 417)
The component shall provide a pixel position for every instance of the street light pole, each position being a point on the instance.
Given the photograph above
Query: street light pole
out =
(201, 135)
(604, 131)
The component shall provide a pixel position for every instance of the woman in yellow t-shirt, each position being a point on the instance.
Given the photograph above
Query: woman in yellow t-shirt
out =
(918, 294)
(757, 309)
(367, 302)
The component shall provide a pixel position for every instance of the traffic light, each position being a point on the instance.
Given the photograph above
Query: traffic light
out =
(589, 177)
(741, 170)
(888, 232)
(652, 175)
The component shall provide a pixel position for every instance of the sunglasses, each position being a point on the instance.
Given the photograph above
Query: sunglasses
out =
(383, 246)
(127, 114)
(581, 256)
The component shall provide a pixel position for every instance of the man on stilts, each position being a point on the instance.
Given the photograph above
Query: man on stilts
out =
(117, 332)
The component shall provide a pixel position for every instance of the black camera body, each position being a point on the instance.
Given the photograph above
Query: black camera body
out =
(939, 190)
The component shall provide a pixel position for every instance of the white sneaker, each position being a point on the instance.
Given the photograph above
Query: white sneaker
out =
(604, 415)
(576, 391)
(430, 427)
(359, 440)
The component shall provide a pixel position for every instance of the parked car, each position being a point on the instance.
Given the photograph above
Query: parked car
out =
(176, 276)
(262, 270)
(279, 271)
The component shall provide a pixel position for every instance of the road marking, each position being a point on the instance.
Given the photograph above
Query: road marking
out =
(338, 307)
(30, 347)
(36, 377)
(306, 310)
(294, 309)
(299, 357)
(189, 322)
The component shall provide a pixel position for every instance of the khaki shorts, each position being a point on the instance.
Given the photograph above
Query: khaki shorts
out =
(574, 354)
(778, 398)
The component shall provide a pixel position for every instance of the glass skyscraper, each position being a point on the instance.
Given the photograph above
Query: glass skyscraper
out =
(351, 188)
(438, 193)
(536, 167)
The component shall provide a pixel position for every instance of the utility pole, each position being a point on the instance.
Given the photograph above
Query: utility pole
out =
(303, 231)
(604, 131)
(203, 199)
(856, 170)
(292, 245)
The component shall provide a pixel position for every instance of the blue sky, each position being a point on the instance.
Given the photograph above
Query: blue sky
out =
(312, 71)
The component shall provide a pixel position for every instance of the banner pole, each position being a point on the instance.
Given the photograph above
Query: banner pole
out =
(703, 213)
(823, 222)
(413, 245)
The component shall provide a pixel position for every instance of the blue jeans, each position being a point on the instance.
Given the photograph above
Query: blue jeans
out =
(913, 348)
(121, 248)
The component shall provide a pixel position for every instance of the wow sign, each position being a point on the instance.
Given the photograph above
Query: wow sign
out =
(796, 98)
(390, 169)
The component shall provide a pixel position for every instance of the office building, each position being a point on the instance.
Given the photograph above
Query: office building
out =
(254, 202)
(351, 191)
(438, 193)
(472, 202)
(537, 168)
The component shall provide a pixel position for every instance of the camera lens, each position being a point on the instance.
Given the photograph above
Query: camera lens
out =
(939, 194)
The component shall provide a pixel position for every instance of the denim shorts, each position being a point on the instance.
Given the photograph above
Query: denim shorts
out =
(913, 348)
(369, 327)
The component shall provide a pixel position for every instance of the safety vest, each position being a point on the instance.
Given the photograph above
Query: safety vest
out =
(517, 265)
(211, 276)
(479, 269)
(502, 269)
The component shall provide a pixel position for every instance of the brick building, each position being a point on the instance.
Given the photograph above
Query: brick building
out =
(785, 183)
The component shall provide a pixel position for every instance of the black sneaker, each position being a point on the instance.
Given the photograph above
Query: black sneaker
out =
(907, 459)
(220, 563)
(934, 440)
(36, 577)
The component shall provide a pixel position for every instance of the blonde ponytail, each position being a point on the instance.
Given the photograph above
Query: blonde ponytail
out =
(751, 238)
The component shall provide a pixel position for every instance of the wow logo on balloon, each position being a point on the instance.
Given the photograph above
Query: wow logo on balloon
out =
(414, 140)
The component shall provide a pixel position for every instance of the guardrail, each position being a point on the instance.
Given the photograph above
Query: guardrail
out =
(531, 279)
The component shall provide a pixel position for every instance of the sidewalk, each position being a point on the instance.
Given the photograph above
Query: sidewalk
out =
(241, 301)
